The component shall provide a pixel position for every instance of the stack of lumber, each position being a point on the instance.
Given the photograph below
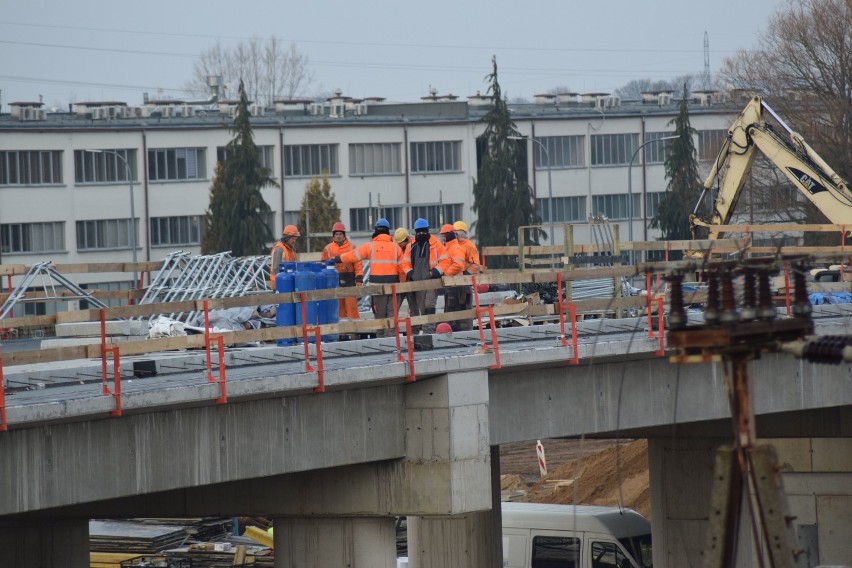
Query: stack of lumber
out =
(141, 538)
(206, 555)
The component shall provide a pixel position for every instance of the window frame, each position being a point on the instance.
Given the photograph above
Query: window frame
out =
(17, 167)
(311, 160)
(559, 152)
(380, 153)
(191, 225)
(26, 237)
(103, 230)
(176, 164)
(436, 157)
(103, 163)
(612, 150)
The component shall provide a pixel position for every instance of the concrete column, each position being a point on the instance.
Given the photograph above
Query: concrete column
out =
(474, 539)
(447, 419)
(45, 544)
(314, 542)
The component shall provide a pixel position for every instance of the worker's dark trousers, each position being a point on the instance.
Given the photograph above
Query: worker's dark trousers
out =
(383, 308)
(458, 299)
(424, 304)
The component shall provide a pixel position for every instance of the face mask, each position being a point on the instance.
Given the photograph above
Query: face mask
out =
(422, 237)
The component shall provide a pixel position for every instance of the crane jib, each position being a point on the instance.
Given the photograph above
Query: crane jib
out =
(810, 184)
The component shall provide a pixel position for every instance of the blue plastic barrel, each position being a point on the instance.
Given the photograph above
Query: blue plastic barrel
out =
(306, 281)
(332, 306)
(285, 315)
(318, 268)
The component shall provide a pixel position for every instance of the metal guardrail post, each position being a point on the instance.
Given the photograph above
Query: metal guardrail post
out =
(521, 259)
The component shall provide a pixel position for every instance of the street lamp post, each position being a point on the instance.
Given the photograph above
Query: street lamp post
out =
(549, 181)
(129, 173)
(630, 190)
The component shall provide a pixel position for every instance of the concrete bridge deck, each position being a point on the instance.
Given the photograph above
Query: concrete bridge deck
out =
(374, 445)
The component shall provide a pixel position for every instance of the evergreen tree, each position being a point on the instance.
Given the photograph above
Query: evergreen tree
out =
(236, 219)
(684, 187)
(318, 212)
(502, 198)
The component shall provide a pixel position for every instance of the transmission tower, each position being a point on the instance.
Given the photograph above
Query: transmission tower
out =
(706, 79)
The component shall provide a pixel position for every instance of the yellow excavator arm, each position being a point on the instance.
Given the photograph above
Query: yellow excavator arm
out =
(792, 155)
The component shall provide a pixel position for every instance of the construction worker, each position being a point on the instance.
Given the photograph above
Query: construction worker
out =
(425, 258)
(283, 251)
(385, 262)
(455, 297)
(471, 254)
(403, 240)
(349, 274)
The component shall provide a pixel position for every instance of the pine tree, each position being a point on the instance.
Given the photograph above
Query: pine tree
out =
(319, 206)
(502, 198)
(684, 187)
(237, 217)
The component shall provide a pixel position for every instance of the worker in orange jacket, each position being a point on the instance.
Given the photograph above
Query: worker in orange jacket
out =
(425, 258)
(456, 297)
(404, 240)
(283, 251)
(349, 273)
(385, 265)
(471, 254)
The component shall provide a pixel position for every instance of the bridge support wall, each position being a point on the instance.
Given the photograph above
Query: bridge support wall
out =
(45, 544)
(351, 542)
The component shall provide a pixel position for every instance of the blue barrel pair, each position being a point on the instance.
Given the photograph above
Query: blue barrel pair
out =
(304, 277)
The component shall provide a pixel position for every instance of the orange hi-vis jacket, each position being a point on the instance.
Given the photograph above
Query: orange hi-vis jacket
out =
(471, 257)
(347, 271)
(384, 256)
(408, 242)
(437, 256)
(455, 252)
(287, 254)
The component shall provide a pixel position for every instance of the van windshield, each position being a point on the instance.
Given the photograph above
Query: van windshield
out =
(639, 548)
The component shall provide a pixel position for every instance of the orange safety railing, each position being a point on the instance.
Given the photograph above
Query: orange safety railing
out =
(3, 425)
(560, 307)
(116, 367)
(495, 345)
(660, 327)
(220, 341)
(318, 341)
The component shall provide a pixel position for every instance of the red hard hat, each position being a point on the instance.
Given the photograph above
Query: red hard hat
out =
(291, 231)
(443, 327)
(447, 228)
(339, 226)
(482, 288)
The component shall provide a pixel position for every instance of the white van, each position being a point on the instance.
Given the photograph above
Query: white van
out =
(537, 535)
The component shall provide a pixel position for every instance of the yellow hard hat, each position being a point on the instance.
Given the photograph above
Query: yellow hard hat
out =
(460, 226)
(400, 235)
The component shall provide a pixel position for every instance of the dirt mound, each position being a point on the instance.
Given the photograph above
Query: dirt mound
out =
(614, 474)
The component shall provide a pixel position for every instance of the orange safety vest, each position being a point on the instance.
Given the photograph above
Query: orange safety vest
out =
(348, 271)
(384, 256)
(455, 253)
(437, 256)
(408, 242)
(288, 254)
(471, 257)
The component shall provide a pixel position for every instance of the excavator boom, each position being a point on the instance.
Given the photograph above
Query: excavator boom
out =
(791, 154)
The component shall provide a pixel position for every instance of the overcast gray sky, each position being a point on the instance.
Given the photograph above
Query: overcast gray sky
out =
(116, 50)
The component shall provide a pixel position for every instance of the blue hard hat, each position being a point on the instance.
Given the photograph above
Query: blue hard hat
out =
(383, 223)
(421, 223)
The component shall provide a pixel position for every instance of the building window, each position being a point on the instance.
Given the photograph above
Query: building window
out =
(359, 219)
(655, 152)
(652, 203)
(170, 164)
(32, 237)
(565, 209)
(432, 157)
(265, 153)
(104, 234)
(375, 159)
(310, 160)
(560, 551)
(437, 214)
(185, 230)
(30, 167)
(613, 149)
(104, 166)
(563, 151)
(709, 144)
(615, 206)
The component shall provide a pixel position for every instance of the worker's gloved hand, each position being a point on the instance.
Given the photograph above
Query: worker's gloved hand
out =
(409, 276)
(359, 280)
(336, 259)
(435, 273)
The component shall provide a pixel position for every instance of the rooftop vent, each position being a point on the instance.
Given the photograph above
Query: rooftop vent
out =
(480, 100)
(566, 98)
(27, 111)
(706, 98)
(545, 99)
